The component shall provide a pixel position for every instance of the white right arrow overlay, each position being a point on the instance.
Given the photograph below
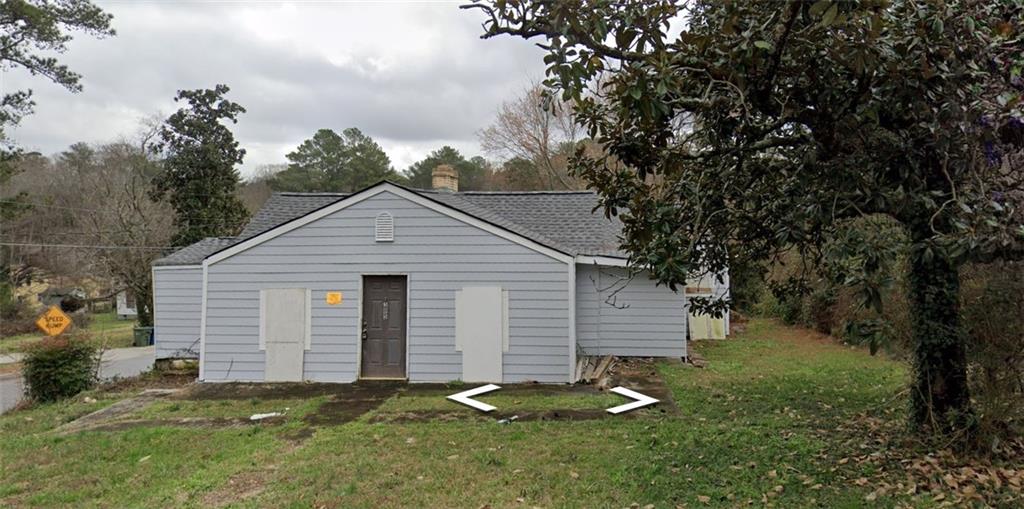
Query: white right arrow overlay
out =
(464, 397)
(642, 400)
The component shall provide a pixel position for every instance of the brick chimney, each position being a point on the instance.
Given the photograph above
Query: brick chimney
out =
(445, 178)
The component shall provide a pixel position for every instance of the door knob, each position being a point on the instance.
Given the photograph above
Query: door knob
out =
(364, 330)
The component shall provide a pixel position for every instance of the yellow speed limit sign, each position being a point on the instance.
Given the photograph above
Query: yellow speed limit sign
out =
(53, 321)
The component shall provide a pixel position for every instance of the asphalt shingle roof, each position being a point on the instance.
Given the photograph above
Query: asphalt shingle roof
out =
(283, 207)
(194, 254)
(565, 221)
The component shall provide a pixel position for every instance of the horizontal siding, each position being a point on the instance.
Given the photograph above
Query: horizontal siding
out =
(439, 254)
(177, 297)
(616, 315)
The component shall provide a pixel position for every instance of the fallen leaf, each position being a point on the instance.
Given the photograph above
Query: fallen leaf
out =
(704, 499)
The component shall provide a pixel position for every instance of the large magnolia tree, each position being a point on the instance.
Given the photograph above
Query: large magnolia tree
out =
(200, 176)
(737, 131)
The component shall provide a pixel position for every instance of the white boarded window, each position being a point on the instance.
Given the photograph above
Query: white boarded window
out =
(481, 332)
(384, 227)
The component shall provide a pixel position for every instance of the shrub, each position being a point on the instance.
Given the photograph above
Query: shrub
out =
(15, 314)
(747, 286)
(993, 315)
(58, 368)
(70, 304)
(820, 310)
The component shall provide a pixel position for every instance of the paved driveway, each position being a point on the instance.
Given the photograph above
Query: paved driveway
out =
(117, 362)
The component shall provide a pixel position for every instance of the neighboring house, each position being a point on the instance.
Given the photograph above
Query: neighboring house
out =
(126, 305)
(424, 286)
(65, 297)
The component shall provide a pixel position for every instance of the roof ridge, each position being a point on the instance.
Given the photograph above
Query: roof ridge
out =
(524, 192)
(310, 193)
(432, 191)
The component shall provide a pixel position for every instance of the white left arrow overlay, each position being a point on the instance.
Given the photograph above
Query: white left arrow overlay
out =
(642, 400)
(464, 397)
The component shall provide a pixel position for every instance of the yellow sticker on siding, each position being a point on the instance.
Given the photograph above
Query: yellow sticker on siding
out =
(334, 298)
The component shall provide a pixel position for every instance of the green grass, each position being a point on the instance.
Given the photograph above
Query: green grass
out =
(770, 420)
(105, 330)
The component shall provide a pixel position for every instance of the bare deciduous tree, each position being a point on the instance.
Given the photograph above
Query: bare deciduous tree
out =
(537, 128)
(133, 225)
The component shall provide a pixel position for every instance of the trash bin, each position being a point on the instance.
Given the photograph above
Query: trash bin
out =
(143, 336)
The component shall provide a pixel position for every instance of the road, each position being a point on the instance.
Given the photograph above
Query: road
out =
(117, 362)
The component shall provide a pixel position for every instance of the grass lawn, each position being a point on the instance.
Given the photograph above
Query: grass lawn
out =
(104, 330)
(779, 417)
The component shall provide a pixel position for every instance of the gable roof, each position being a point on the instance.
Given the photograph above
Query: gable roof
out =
(194, 254)
(565, 220)
(283, 207)
(562, 220)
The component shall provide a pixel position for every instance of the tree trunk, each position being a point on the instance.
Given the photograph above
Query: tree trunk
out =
(940, 399)
(144, 302)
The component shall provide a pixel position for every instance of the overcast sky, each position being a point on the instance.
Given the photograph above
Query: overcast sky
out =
(413, 75)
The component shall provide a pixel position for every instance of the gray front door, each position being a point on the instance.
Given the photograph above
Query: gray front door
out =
(383, 333)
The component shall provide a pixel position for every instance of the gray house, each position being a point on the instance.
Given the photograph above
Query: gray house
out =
(424, 286)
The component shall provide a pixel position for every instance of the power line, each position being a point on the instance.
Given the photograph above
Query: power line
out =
(81, 246)
(63, 207)
(190, 223)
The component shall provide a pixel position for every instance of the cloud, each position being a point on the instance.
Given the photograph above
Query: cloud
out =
(412, 76)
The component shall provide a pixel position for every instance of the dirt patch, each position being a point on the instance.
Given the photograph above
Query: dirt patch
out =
(187, 422)
(238, 488)
(356, 400)
(638, 374)
(151, 380)
(521, 389)
(524, 416)
(239, 391)
(641, 375)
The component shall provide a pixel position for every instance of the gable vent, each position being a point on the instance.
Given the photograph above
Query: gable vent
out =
(385, 227)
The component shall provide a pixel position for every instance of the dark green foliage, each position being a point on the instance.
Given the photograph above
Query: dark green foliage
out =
(332, 162)
(939, 396)
(31, 32)
(472, 172)
(993, 313)
(747, 285)
(519, 174)
(764, 126)
(199, 177)
(58, 368)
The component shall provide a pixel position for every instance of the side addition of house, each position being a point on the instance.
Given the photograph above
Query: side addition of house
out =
(424, 286)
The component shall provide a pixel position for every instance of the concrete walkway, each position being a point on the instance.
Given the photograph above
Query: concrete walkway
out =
(11, 358)
(116, 363)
